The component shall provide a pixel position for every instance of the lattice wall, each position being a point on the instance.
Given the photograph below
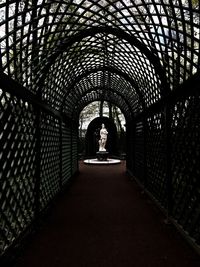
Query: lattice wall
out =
(18, 140)
(185, 164)
(49, 158)
(170, 170)
(58, 56)
(66, 154)
(139, 151)
(32, 173)
(156, 156)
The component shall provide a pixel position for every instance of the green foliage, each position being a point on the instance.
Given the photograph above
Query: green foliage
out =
(92, 110)
(195, 3)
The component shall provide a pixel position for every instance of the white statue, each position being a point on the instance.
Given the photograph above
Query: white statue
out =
(103, 138)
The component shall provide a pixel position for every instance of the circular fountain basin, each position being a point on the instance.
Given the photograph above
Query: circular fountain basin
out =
(96, 161)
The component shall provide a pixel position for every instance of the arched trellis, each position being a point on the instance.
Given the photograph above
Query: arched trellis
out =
(120, 34)
(80, 103)
(39, 152)
(165, 12)
(70, 77)
(112, 70)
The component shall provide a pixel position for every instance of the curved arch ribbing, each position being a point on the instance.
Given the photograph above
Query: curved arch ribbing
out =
(66, 43)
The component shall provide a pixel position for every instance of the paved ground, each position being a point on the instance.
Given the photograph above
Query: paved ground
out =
(105, 221)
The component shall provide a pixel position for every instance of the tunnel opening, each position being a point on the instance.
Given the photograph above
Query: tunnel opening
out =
(90, 121)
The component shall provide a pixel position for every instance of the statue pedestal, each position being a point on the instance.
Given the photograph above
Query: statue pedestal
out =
(102, 155)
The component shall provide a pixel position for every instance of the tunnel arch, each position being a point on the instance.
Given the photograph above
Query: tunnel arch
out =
(154, 87)
(112, 70)
(100, 91)
(120, 34)
(114, 101)
(52, 49)
(123, 87)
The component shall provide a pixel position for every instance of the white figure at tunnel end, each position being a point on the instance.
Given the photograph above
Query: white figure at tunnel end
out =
(103, 138)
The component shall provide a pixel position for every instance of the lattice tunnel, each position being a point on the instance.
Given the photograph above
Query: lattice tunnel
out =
(58, 56)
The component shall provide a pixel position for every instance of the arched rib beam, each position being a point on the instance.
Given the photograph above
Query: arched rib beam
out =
(126, 114)
(107, 89)
(112, 70)
(132, 40)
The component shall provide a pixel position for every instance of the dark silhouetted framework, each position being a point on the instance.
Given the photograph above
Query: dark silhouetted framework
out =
(56, 57)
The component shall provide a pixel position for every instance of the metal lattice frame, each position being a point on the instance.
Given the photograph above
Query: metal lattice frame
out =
(58, 56)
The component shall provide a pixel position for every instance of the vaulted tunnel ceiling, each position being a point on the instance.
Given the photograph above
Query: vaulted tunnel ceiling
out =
(70, 53)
